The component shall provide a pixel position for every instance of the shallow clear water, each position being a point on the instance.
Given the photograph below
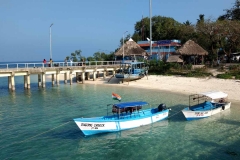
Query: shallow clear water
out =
(38, 124)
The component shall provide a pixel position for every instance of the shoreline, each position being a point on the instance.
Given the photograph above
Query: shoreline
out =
(178, 84)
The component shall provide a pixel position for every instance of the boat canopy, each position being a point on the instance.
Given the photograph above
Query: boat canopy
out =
(215, 94)
(130, 104)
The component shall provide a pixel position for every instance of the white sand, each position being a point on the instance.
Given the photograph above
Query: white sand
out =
(179, 84)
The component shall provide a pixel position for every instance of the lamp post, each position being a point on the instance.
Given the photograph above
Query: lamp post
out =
(123, 43)
(50, 41)
(150, 14)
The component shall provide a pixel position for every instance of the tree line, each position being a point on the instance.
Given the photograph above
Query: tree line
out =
(219, 37)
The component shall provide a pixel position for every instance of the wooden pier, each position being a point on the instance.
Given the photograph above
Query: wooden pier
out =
(83, 71)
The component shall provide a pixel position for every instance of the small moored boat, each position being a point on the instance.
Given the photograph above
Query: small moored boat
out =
(116, 96)
(131, 70)
(206, 104)
(126, 115)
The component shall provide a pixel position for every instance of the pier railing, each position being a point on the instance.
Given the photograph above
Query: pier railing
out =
(57, 64)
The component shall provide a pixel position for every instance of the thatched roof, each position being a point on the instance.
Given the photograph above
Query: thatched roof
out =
(174, 58)
(131, 48)
(191, 48)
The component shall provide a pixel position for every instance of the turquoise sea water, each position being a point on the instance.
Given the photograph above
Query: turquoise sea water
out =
(38, 124)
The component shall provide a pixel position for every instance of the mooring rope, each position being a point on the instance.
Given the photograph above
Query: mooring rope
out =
(174, 114)
(35, 135)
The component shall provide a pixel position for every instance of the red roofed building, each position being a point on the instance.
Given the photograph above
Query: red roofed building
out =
(161, 49)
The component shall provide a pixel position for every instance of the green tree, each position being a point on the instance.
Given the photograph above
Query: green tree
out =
(128, 36)
(162, 28)
(233, 13)
(76, 56)
(109, 57)
(97, 56)
(213, 35)
(187, 23)
(201, 19)
(90, 58)
(187, 31)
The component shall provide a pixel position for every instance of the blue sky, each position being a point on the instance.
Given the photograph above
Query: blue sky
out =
(88, 25)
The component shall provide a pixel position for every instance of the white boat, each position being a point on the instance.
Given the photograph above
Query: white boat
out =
(126, 115)
(131, 70)
(206, 104)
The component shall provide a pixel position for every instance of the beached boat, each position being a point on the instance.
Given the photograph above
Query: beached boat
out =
(126, 115)
(206, 104)
(131, 70)
(116, 96)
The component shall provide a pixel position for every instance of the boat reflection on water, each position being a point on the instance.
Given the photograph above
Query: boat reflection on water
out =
(208, 123)
(106, 140)
(154, 128)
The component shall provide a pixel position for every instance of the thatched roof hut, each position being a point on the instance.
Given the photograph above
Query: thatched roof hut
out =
(174, 58)
(192, 49)
(131, 48)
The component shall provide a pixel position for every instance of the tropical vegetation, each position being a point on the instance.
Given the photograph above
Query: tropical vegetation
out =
(219, 37)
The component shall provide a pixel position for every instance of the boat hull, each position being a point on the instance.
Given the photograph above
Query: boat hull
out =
(199, 114)
(128, 76)
(115, 123)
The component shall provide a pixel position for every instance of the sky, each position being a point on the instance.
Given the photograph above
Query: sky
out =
(87, 25)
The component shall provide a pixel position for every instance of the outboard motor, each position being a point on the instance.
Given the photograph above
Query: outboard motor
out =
(162, 107)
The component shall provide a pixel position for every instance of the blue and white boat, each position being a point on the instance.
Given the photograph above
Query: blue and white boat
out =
(125, 115)
(206, 104)
(131, 70)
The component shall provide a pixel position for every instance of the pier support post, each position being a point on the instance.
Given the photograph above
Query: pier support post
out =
(28, 81)
(97, 74)
(25, 81)
(43, 80)
(65, 77)
(94, 76)
(104, 74)
(107, 74)
(70, 78)
(87, 75)
(114, 72)
(9, 82)
(57, 78)
(83, 77)
(39, 80)
(77, 78)
(12, 83)
(53, 81)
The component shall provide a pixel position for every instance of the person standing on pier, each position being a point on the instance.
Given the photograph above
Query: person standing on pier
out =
(44, 62)
(50, 62)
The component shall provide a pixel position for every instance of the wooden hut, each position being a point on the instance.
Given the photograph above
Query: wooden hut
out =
(131, 49)
(174, 59)
(192, 52)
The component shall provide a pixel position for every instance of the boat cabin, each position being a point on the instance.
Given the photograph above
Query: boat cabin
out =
(207, 100)
(133, 68)
(127, 108)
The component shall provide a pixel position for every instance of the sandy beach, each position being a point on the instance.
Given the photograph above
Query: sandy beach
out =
(178, 84)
